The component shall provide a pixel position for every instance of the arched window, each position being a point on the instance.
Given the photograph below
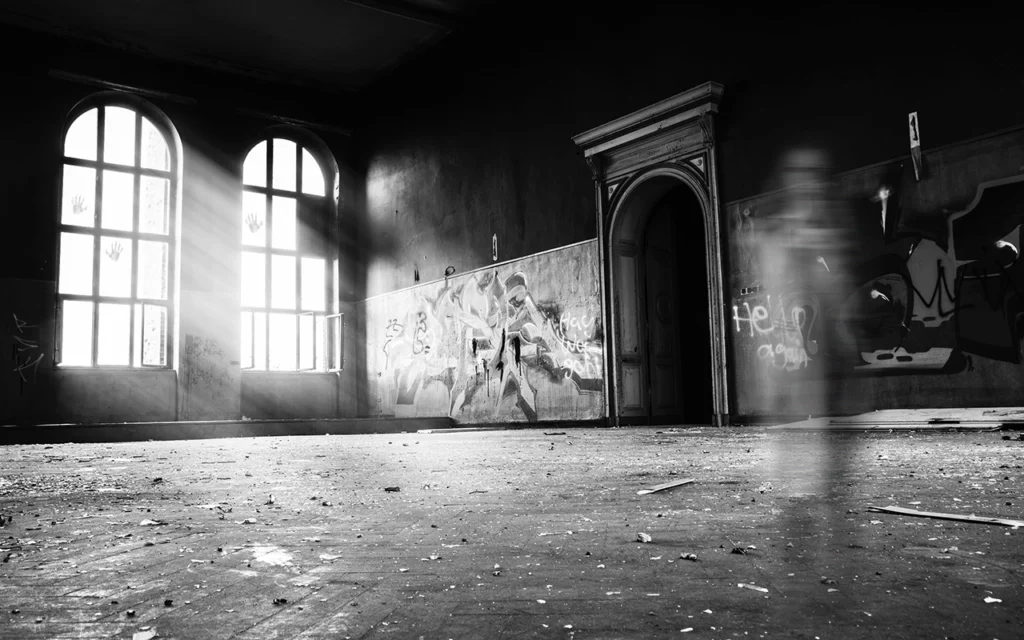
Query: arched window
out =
(117, 232)
(288, 252)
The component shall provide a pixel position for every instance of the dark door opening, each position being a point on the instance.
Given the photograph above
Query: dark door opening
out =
(675, 301)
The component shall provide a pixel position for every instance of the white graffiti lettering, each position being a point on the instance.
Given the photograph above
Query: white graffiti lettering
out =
(755, 318)
(784, 325)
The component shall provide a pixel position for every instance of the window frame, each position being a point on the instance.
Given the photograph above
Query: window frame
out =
(324, 209)
(141, 110)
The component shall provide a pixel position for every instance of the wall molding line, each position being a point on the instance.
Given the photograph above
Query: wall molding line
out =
(478, 269)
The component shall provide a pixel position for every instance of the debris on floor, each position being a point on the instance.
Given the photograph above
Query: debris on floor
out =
(947, 516)
(643, 537)
(668, 485)
(392, 489)
(744, 585)
(689, 556)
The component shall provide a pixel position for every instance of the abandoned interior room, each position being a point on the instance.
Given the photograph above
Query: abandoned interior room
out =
(467, 319)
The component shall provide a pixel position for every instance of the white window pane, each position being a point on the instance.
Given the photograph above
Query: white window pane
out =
(118, 200)
(312, 175)
(137, 332)
(283, 222)
(78, 200)
(282, 282)
(80, 142)
(116, 267)
(76, 333)
(254, 219)
(306, 342)
(114, 334)
(254, 279)
(284, 165)
(155, 154)
(154, 203)
(246, 334)
(320, 336)
(119, 136)
(313, 284)
(154, 335)
(259, 329)
(282, 342)
(76, 263)
(153, 269)
(254, 170)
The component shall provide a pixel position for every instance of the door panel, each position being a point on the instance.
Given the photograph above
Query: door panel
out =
(628, 299)
(632, 397)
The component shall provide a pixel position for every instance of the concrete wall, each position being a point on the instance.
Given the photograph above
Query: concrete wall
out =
(520, 341)
(475, 139)
(206, 110)
(926, 314)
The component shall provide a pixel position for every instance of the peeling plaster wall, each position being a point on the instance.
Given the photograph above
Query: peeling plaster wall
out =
(475, 139)
(518, 342)
(925, 315)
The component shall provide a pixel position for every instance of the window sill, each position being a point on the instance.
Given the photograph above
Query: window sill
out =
(77, 370)
(254, 372)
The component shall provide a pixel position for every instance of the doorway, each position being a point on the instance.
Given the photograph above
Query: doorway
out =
(675, 306)
(662, 156)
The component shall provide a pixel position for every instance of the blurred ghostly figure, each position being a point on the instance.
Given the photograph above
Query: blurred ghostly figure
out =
(806, 252)
(810, 247)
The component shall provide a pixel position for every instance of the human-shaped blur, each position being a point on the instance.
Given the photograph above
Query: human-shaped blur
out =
(807, 248)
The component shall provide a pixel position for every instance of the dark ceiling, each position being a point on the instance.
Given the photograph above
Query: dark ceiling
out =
(330, 45)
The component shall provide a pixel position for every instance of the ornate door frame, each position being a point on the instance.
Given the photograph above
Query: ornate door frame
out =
(635, 160)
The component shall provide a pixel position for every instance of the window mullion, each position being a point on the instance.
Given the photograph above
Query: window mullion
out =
(134, 287)
(101, 123)
(298, 259)
(268, 273)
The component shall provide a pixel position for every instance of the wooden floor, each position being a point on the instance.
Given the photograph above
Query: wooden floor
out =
(514, 534)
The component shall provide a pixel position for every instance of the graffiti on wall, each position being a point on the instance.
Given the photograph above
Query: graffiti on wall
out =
(487, 340)
(783, 327)
(25, 349)
(918, 301)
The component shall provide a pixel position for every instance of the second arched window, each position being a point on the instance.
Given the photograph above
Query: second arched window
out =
(286, 249)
